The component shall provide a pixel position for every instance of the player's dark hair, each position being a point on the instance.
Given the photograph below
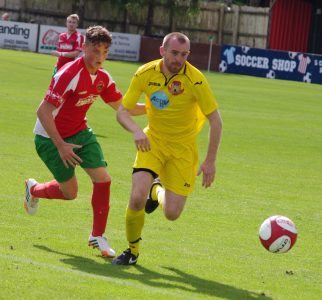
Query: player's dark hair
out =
(97, 35)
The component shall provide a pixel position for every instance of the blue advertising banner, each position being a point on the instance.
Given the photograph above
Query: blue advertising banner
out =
(271, 64)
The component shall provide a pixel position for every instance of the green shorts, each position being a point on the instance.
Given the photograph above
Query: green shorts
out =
(91, 154)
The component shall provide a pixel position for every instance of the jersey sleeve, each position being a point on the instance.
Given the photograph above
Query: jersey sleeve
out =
(206, 102)
(61, 84)
(133, 93)
(111, 93)
(205, 98)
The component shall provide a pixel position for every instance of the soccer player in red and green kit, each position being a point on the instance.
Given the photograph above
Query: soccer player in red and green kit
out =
(63, 139)
(69, 44)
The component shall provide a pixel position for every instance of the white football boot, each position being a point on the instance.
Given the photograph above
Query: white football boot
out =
(30, 202)
(101, 243)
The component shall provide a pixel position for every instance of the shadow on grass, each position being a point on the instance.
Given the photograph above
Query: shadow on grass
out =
(178, 280)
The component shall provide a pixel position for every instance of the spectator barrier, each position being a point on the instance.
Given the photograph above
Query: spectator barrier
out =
(234, 59)
(44, 38)
(271, 64)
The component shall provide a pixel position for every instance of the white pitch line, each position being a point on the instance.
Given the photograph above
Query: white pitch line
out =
(121, 282)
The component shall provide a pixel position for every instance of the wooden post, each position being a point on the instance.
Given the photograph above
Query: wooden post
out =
(221, 24)
(81, 13)
(149, 18)
(235, 24)
(22, 10)
(210, 39)
(126, 20)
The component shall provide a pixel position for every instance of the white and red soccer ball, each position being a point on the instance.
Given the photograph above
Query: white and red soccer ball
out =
(278, 234)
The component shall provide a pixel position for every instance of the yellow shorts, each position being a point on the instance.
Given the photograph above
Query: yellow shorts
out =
(175, 163)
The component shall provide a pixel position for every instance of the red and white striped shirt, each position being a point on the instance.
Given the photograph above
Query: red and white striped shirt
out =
(68, 43)
(73, 90)
(304, 62)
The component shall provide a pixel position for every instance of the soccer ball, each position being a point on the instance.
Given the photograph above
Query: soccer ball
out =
(307, 78)
(223, 66)
(245, 49)
(270, 74)
(278, 234)
(292, 55)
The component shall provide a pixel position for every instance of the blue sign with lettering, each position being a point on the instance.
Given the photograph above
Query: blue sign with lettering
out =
(271, 64)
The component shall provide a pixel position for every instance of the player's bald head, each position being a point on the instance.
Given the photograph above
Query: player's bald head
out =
(180, 37)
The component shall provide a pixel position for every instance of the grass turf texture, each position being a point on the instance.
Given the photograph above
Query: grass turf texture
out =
(269, 163)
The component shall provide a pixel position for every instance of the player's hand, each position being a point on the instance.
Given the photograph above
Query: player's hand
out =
(208, 170)
(68, 156)
(141, 141)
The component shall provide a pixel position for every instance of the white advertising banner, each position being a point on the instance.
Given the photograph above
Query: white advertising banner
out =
(124, 47)
(23, 36)
(19, 36)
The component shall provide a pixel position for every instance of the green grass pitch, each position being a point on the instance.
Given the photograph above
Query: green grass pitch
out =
(270, 162)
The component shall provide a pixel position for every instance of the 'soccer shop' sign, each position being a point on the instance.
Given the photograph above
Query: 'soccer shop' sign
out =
(23, 36)
(16, 35)
(271, 64)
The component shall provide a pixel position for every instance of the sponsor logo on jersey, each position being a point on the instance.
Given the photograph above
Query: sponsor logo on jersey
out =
(175, 88)
(159, 100)
(84, 101)
(99, 86)
(54, 97)
(66, 46)
(154, 83)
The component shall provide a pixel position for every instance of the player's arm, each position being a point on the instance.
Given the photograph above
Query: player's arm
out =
(72, 54)
(140, 139)
(208, 167)
(45, 115)
(139, 108)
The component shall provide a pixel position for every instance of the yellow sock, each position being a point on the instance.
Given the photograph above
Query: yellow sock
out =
(160, 194)
(154, 192)
(134, 222)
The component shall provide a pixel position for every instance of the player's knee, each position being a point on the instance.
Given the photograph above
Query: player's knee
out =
(137, 200)
(172, 215)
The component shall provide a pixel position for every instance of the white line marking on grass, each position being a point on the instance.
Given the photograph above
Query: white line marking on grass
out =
(120, 282)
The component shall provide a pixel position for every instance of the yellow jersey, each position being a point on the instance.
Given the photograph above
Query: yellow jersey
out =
(176, 106)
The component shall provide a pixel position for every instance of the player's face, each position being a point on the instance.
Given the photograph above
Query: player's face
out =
(174, 56)
(94, 56)
(71, 24)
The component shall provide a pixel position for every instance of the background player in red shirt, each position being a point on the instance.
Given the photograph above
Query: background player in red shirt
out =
(63, 140)
(70, 43)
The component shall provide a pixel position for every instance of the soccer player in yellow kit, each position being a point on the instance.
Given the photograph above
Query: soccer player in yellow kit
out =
(178, 99)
